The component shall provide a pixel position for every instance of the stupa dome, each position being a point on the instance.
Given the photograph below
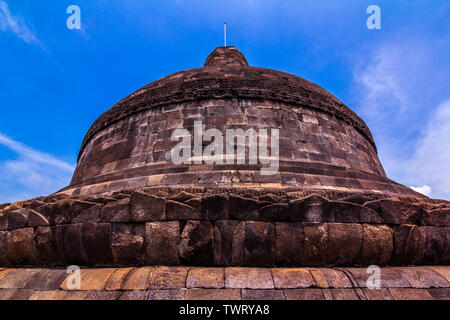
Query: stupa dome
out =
(323, 144)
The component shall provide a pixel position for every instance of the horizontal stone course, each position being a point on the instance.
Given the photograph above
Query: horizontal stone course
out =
(176, 283)
(324, 231)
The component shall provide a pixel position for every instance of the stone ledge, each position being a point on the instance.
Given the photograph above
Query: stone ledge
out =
(160, 226)
(192, 283)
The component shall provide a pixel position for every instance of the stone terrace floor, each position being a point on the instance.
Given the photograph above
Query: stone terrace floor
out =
(234, 283)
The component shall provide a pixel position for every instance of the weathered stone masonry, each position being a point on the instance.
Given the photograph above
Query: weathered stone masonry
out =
(165, 226)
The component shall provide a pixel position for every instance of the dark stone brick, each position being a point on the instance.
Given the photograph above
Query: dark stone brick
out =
(313, 208)
(377, 245)
(35, 219)
(180, 211)
(4, 248)
(45, 243)
(315, 243)
(161, 241)
(97, 243)
(259, 243)
(396, 212)
(21, 247)
(117, 211)
(344, 243)
(434, 242)
(18, 218)
(437, 217)
(73, 244)
(92, 214)
(223, 240)
(78, 207)
(275, 212)
(47, 279)
(196, 243)
(145, 207)
(241, 208)
(263, 295)
(215, 207)
(289, 243)
(127, 244)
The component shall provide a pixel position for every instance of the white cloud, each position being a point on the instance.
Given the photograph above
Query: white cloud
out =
(403, 91)
(32, 174)
(426, 190)
(430, 163)
(16, 25)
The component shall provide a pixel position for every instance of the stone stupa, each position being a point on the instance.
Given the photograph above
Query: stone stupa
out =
(142, 227)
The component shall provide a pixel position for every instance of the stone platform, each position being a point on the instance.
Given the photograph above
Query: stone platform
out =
(197, 283)
(225, 227)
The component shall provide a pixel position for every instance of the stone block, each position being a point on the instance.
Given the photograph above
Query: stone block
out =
(213, 294)
(437, 217)
(103, 295)
(344, 243)
(304, 294)
(92, 214)
(18, 218)
(410, 294)
(180, 211)
(145, 207)
(91, 279)
(168, 277)
(45, 243)
(117, 211)
(263, 295)
(396, 212)
(215, 207)
(205, 278)
(117, 278)
(259, 243)
(377, 245)
(47, 279)
(421, 277)
(35, 219)
(97, 243)
(434, 243)
(162, 240)
(4, 248)
(344, 294)
(315, 243)
(223, 239)
(21, 249)
(136, 279)
(196, 243)
(73, 244)
(166, 294)
(289, 243)
(313, 208)
(237, 245)
(248, 278)
(377, 294)
(241, 208)
(275, 212)
(127, 243)
(292, 278)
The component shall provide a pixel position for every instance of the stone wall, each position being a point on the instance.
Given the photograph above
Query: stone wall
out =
(224, 227)
(200, 283)
(316, 149)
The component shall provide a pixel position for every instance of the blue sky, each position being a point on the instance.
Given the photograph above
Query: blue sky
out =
(54, 82)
